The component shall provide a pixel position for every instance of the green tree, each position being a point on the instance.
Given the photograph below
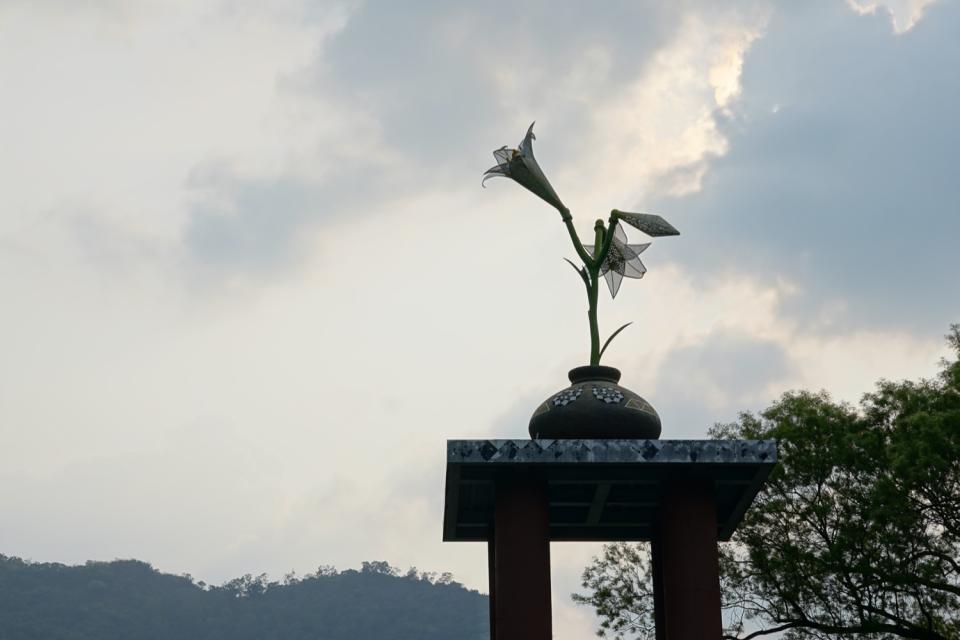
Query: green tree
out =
(856, 533)
(132, 600)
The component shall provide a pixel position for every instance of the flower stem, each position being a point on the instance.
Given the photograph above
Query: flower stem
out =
(577, 245)
(592, 263)
(608, 239)
(593, 269)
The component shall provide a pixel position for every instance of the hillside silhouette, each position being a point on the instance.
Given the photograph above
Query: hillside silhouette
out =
(130, 599)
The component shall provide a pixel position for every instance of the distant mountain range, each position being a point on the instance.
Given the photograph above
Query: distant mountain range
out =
(130, 600)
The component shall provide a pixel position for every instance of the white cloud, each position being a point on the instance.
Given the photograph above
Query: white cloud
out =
(110, 110)
(837, 167)
(660, 127)
(904, 14)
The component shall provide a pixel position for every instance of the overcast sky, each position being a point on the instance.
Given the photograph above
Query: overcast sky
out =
(249, 282)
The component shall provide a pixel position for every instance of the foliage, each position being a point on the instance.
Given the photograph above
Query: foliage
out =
(620, 589)
(856, 533)
(131, 600)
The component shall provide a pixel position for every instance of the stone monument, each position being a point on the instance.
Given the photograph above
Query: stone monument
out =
(594, 468)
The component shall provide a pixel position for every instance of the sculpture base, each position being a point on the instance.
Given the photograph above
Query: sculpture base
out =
(682, 495)
(601, 490)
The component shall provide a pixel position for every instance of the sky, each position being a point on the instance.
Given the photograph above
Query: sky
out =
(250, 283)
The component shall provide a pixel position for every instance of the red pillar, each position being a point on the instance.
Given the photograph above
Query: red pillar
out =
(521, 571)
(492, 584)
(656, 561)
(687, 550)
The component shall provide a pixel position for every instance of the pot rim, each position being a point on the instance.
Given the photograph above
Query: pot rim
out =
(594, 372)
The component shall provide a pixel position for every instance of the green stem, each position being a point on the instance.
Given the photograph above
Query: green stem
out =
(608, 239)
(592, 263)
(593, 268)
(577, 245)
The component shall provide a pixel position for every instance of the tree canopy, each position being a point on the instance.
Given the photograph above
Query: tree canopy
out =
(856, 533)
(131, 600)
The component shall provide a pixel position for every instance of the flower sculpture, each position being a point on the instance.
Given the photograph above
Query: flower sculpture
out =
(623, 259)
(611, 256)
(520, 165)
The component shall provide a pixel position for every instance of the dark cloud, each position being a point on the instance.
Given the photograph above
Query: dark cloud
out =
(841, 174)
(715, 379)
(428, 69)
(425, 72)
(256, 227)
(247, 225)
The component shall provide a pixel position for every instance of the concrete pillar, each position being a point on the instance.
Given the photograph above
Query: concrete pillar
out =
(521, 563)
(689, 566)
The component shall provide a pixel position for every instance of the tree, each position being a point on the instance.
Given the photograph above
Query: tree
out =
(378, 566)
(132, 600)
(856, 533)
(247, 586)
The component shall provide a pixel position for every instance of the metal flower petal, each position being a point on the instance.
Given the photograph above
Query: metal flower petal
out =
(520, 166)
(623, 260)
(650, 223)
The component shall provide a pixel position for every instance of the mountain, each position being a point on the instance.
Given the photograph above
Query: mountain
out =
(131, 600)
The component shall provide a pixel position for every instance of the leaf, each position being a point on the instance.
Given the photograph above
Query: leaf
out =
(612, 336)
(650, 223)
(581, 271)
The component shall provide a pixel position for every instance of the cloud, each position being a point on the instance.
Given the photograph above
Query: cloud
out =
(839, 169)
(419, 94)
(397, 102)
(255, 228)
(443, 77)
(903, 13)
(329, 157)
(715, 378)
(114, 109)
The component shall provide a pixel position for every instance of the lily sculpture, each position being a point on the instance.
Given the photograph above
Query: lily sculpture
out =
(611, 255)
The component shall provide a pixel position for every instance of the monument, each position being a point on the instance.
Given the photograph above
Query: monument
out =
(594, 468)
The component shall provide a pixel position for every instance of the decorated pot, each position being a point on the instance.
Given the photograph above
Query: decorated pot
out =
(595, 406)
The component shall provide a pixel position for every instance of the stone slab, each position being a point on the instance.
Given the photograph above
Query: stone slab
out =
(601, 489)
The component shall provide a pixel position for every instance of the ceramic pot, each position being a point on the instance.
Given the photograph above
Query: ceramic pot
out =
(594, 406)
